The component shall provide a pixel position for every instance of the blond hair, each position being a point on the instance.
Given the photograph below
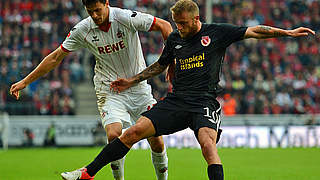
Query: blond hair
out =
(185, 6)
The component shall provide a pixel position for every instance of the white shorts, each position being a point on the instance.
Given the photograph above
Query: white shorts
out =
(125, 107)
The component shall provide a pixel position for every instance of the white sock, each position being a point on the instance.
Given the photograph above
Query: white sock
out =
(118, 169)
(160, 163)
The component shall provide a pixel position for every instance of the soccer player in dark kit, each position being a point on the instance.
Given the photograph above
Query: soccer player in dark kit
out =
(198, 50)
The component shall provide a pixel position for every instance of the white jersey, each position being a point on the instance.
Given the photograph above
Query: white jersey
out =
(117, 50)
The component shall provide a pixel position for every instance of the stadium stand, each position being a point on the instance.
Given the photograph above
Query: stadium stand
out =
(275, 76)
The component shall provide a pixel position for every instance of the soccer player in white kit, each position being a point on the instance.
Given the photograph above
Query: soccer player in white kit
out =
(111, 34)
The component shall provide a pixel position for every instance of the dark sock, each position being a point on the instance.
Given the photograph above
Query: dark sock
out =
(113, 151)
(215, 172)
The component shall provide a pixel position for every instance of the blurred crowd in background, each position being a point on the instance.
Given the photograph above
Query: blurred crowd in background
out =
(274, 76)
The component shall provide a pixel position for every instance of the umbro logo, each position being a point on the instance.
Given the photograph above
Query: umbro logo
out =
(95, 38)
(178, 46)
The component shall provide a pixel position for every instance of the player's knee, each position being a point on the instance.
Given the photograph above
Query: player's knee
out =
(208, 146)
(132, 135)
(113, 135)
(157, 145)
(207, 138)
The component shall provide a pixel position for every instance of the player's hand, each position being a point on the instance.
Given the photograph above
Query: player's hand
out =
(301, 31)
(15, 89)
(120, 85)
(170, 72)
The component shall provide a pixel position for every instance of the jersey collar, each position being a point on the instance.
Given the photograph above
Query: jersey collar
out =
(195, 35)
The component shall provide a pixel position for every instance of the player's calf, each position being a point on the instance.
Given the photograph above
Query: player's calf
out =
(118, 169)
(160, 163)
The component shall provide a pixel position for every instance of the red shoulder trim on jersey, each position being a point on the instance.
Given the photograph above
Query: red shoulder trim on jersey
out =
(153, 23)
(64, 49)
(105, 27)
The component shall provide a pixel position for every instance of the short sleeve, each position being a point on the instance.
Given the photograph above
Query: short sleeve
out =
(230, 33)
(73, 41)
(137, 21)
(167, 56)
(142, 21)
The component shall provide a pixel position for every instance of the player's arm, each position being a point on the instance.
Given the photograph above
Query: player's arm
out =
(46, 65)
(122, 84)
(163, 26)
(149, 72)
(263, 32)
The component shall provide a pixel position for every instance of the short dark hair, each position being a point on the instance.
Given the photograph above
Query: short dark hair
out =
(89, 2)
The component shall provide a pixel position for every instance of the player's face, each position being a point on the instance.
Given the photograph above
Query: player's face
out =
(186, 24)
(99, 12)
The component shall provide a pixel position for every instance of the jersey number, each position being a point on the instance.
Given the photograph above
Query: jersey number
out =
(214, 117)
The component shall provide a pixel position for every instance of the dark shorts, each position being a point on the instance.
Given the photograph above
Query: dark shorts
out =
(175, 113)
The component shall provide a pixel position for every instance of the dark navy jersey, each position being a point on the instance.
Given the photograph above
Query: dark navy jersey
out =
(199, 59)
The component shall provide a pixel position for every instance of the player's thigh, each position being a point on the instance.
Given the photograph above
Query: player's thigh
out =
(209, 117)
(140, 103)
(113, 130)
(207, 137)
(142, 129)
(113, 110)
(167, 118)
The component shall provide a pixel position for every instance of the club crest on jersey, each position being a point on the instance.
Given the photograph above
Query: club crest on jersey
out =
(205, 41)
(120, 34)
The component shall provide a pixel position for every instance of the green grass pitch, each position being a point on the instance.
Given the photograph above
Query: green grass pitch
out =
(184, 164)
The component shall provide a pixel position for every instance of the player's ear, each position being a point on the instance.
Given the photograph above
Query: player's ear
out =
(197, 18)
(107, 2)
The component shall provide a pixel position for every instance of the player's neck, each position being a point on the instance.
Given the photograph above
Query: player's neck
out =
(199, 26)
(105, 26)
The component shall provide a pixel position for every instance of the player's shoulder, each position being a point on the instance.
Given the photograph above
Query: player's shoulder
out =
(174, 36)
(220, 25)
(124, 15)
(213, 26)
(217, 28)
(84, 25)
(119, 13)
